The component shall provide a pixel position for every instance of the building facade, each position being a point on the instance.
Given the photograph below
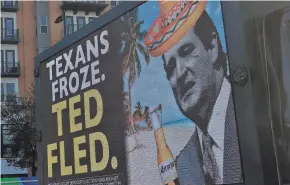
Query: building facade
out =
(27, 29)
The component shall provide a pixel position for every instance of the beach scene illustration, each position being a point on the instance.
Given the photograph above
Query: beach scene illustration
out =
(145, 88)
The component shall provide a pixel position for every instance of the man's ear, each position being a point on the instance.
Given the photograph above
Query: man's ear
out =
(213, 51)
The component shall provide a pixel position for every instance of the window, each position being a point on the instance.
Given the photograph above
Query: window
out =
(10, 59)
(10, 89)
(115, 3)
(6, 137)
(68, 20)
(6, 140)
(8, 3)
(2, 92)
(7, 63)
(80, 22)
(10, 55)
(69, 25)
(2, 55)
(92, 19)
(5, 149)
(43, 24)
(8, 28)
(6, 90)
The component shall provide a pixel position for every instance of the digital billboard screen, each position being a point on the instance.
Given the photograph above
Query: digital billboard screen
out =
(146, 99)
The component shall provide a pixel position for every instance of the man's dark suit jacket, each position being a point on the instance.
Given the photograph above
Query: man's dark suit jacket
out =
(189, 161)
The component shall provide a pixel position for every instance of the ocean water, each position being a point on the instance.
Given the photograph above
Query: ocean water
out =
(179, 123)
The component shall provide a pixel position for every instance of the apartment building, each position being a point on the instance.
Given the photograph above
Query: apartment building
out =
(10, 70)
(27, 29)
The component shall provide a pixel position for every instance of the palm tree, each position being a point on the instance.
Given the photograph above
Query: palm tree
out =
(132, 37)
(127, 115)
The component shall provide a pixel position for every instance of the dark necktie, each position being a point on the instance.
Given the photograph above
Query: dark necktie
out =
(211, 173)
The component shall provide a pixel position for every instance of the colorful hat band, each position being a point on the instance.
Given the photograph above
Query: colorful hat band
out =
(171, 31)
(173, 13)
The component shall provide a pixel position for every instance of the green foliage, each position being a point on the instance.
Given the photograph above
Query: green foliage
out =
(18, 114)
(132, 38)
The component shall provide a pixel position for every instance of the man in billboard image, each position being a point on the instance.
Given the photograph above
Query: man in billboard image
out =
(196, 68)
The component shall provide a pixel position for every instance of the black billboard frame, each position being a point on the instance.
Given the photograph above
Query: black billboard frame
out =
(253, 166)
(62, 45)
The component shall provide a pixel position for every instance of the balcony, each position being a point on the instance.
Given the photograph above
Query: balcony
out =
(10, 69)
(9, 36)
(87, 6)
(70, 28)
(9, 6)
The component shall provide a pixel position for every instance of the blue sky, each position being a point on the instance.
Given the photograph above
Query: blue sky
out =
(152, 87)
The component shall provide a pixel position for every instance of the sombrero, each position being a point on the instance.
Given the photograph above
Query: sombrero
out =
(175, 20)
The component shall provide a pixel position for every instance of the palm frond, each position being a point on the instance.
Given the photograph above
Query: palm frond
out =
(134, 15)
(132, 70)
(132, 33)
(144, 52)
(127, 45)
(126, 27)
(142, 35)
(131, 21)
(125, 64)
(137, 26)
(126, 61)
(128, 20)
(138, 63)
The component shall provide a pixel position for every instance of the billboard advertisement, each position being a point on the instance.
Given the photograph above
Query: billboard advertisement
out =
(144, 100)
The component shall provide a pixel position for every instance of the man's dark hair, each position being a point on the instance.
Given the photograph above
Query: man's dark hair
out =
(204, 29)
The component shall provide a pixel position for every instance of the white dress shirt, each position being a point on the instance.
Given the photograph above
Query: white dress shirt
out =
(216, 127)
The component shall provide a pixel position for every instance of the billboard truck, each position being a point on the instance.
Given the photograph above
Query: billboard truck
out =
(141, 96)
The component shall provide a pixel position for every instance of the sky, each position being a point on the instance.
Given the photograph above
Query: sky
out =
(152, 87)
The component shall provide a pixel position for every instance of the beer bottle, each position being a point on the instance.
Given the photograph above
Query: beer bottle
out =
(165, 159)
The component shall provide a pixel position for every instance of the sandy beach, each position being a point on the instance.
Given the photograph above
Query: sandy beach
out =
(142, 161)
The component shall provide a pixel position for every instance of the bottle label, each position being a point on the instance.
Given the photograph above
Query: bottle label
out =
(167, 171)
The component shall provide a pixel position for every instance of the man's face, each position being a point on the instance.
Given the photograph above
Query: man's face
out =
(189, 68)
